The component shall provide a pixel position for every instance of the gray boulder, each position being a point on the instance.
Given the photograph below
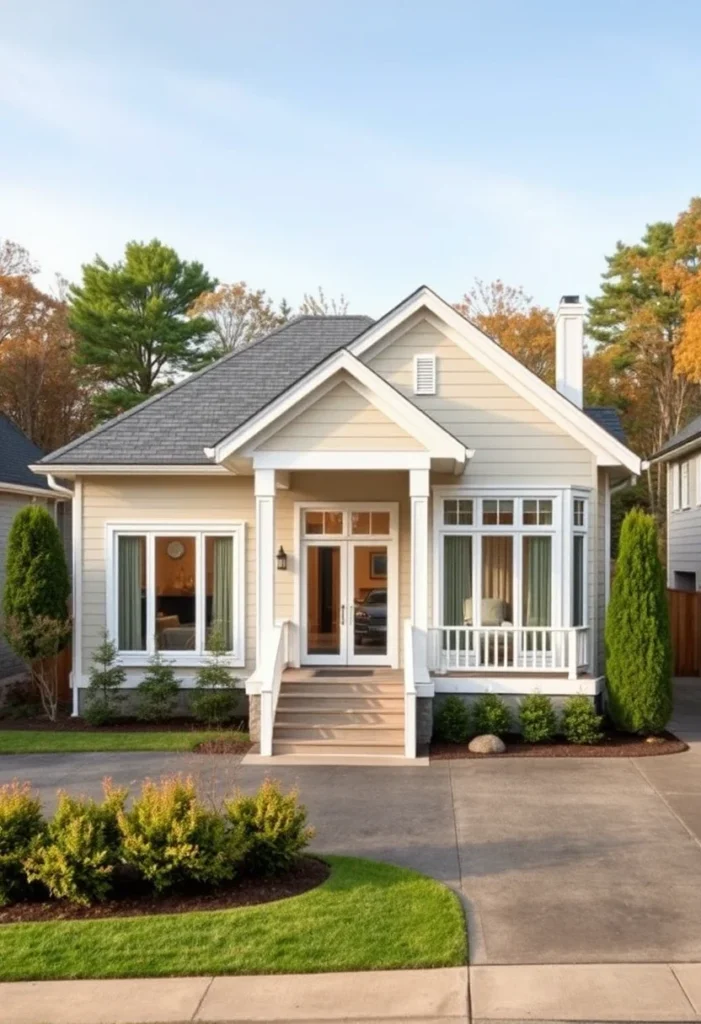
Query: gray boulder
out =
(487, 745)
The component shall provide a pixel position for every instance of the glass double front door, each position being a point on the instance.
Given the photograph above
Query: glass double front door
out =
(346, 603)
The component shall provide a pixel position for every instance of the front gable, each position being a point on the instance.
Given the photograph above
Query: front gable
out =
(343, 419)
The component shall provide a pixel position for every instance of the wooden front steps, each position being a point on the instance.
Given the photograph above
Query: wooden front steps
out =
(323, 712)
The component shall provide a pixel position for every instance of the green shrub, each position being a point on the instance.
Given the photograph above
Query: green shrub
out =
(215, 696)
(638, 647)
(273, 825)
(21, 824)
(452, 721)
(580, 722)
(36, 580)
(107, 678)
(537, 718)
(490, 714)
(172, 840)
(77, 856)
(157, 693)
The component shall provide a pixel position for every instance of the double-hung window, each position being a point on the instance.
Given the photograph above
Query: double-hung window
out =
(579, 567)
(175, 588)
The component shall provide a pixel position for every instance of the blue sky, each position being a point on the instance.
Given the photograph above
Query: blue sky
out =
(368, 147)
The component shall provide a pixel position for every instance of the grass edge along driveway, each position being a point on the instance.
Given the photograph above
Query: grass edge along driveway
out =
(366, 916)
(39, 741)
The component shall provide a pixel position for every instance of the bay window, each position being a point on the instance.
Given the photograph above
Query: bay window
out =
(173, 588)
(579, 567)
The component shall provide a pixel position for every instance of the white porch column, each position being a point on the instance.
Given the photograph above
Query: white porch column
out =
(419, 490)
(265, 559)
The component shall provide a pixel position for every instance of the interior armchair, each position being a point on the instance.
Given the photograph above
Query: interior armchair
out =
(493, 612)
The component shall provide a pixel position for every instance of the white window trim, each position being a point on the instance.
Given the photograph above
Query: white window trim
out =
(674, 486)
(562, 544)
(684, 484)
(178, 528)
(580, 531)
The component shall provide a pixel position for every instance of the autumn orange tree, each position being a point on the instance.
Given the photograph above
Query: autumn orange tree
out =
(41, 388)
(507, 315)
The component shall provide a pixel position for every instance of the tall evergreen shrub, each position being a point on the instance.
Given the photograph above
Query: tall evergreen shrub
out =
(36, 581)
(638, 647)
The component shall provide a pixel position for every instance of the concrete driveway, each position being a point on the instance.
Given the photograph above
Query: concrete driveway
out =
(558, 861)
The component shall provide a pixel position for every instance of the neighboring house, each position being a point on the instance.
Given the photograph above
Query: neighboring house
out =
(19, 486)
(682, 456)
(373, 512)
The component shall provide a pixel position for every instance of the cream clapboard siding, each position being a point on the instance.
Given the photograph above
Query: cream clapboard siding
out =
(159, 499)
(342, 420)
(684, 527)
(514, 441)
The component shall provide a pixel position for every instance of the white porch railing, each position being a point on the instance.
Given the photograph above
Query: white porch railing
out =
(409, 690)
(509, 649)
(274, 663)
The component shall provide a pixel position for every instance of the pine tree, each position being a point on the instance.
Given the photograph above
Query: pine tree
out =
(158, 690)
(639, 658)
(131, 322)
(37, 586)
(106, 681)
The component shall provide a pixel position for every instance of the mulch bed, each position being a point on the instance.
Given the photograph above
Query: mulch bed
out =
(614, 744)
(65, 723)
(308, 873)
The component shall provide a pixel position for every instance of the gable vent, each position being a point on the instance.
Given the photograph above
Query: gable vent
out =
(424, 375)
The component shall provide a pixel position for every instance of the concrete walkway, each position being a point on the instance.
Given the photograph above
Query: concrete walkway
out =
(591, 992)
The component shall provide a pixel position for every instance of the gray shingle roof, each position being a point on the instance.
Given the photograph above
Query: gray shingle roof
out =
(176, 426)
(608, 418)
(690, 432)
(16, 453)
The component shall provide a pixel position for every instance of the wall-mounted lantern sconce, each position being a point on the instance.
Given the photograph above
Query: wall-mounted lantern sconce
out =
(281, 558)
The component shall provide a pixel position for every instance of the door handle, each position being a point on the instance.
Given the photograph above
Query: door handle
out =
(343, 615)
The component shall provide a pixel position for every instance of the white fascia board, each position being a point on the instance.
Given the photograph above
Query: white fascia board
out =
(469, 337)
(332, 459)
(676, 453)
(378, 391)
(30, 492)
(75, 469)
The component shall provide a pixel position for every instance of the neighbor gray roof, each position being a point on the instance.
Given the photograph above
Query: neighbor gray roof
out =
(176, 426)
(16, 453)
(608, 418)
(691, 432)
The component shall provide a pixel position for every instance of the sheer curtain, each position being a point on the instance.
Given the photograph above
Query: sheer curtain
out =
(497, 571)
(222, 598)
(537, 573)
(131, 573)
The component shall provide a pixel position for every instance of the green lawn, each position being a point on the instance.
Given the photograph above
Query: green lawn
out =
(38, 742)
(365, 916)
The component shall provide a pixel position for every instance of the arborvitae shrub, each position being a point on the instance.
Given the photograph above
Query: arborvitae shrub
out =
(107, 678)
(215, 696)
(580, 722)
(638, 647)
(157, 693)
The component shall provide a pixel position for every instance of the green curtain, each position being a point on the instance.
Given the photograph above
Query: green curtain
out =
(457, 578)
(222, 597)
(578, 581)
(537, 601)
(131, 573)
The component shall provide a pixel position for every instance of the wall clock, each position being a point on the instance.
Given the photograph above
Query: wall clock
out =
(176, 549)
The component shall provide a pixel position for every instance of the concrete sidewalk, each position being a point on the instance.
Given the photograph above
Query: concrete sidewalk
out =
(562, 992)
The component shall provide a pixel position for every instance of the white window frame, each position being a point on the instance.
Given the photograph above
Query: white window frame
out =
(581, 530)
(684, 489)
(178, 528)
(561, 543)
(674, 486)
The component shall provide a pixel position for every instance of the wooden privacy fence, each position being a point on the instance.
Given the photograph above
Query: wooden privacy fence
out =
(685, 621)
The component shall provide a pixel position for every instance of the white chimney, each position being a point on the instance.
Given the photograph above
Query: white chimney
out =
(569, 348)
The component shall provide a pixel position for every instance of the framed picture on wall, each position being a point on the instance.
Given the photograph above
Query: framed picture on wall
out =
(378, 565)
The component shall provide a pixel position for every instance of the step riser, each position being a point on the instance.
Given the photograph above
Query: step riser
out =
(319, 718)
(355, 733)
(311, 750)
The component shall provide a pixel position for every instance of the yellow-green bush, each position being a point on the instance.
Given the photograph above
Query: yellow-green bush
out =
(21, 824)
(273, 825)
